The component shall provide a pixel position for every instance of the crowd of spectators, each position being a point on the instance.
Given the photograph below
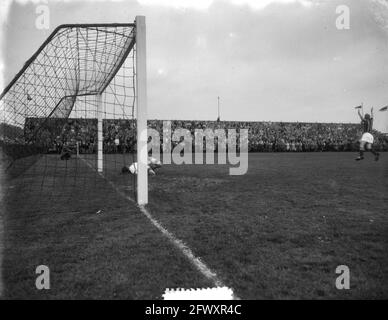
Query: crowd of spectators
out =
(120, 136)
(286, 136)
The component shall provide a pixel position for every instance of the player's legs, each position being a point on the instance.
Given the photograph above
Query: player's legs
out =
(361, 152)
(155, 166)
(366, 146)
(369, 147)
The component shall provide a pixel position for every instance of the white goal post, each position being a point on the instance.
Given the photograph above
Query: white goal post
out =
(141, 106)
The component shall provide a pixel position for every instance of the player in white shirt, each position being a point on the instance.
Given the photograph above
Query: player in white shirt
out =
(152, 165)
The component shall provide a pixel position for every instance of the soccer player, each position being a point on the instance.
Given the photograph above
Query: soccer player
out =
(366, 142)
(66, 153)
(152, 165)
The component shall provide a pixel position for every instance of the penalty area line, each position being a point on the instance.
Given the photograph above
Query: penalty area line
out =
(179, 244)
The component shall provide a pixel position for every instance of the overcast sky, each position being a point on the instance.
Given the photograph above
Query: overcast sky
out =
(267, 60)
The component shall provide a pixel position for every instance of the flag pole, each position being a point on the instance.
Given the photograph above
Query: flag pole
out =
(218, 108)
(386, 122)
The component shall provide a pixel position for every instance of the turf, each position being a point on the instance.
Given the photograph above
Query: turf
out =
(278, 232)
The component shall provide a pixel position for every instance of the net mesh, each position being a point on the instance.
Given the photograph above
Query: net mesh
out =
(49, 112)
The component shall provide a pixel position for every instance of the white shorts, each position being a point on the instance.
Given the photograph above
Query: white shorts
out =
(133, 168)
(367, 137)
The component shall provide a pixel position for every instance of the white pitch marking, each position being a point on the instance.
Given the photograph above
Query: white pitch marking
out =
(185, 250)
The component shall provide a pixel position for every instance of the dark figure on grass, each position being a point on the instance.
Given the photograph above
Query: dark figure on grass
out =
(366, 142)
(66, 153)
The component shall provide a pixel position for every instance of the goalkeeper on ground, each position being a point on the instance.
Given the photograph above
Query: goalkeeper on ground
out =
(152, 165)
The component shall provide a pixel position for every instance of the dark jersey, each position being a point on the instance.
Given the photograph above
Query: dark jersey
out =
(366, 125)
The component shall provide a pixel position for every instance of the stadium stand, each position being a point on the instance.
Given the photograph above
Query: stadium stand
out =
(263, 136)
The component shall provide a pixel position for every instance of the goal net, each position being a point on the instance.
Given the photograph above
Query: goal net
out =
(70, 119)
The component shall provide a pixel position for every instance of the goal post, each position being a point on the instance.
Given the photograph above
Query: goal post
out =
(83, 92)
(100, 139)
(142, 135)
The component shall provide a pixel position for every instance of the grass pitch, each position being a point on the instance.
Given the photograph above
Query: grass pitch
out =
(278, 232)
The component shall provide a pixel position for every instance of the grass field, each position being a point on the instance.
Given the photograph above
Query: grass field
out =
(278, 232)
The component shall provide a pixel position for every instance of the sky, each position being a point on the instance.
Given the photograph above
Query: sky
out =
(267, 60)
